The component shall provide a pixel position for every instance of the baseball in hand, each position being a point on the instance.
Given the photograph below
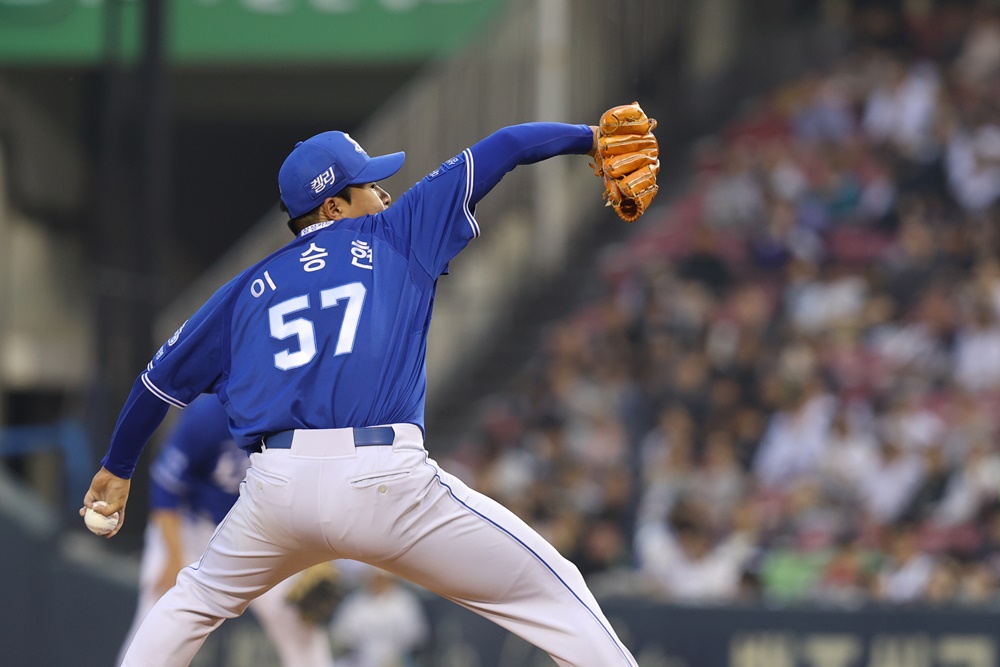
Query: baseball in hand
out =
(98, 523)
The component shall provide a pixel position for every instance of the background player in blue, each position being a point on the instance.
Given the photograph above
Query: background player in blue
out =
(194, 482)
(317, 352)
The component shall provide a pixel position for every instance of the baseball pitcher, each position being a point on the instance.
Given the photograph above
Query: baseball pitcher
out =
(317, 353)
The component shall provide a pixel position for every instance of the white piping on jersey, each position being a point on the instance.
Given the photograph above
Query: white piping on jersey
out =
(162, 395)
(469, 180)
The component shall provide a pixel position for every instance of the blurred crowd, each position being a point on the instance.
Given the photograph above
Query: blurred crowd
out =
(788, 389)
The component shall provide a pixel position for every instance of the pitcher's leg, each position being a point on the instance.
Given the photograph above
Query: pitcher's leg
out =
(480, 555)
(196, 533)
(153, 560)
(299, 643)
(237, 566)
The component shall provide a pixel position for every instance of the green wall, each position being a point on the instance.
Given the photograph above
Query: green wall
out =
(245, 31)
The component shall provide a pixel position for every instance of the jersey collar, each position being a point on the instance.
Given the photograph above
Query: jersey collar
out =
(315, 227)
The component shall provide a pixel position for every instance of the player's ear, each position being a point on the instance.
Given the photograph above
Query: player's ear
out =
(330, 208)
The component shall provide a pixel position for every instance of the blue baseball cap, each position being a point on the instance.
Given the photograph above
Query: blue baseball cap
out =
(323, 165)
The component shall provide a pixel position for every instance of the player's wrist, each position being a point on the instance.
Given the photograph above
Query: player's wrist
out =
(112, 473)
(112, 468)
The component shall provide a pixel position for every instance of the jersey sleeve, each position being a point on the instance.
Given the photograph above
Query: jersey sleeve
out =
(436, 218)
(500, 152)
(142, 413)
(192, 360)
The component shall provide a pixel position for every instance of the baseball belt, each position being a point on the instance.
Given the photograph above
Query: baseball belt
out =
(366, 436)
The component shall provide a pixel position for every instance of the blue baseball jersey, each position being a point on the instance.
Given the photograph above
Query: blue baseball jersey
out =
(199, 467)
(331, 330)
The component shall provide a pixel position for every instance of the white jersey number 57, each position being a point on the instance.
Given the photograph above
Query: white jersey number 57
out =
(305, 330)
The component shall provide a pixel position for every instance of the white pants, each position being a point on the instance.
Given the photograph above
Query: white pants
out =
(298, 644)
(391, 507)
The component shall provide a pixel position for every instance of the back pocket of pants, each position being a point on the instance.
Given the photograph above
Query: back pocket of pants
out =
(269, 487)
(372, 479)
